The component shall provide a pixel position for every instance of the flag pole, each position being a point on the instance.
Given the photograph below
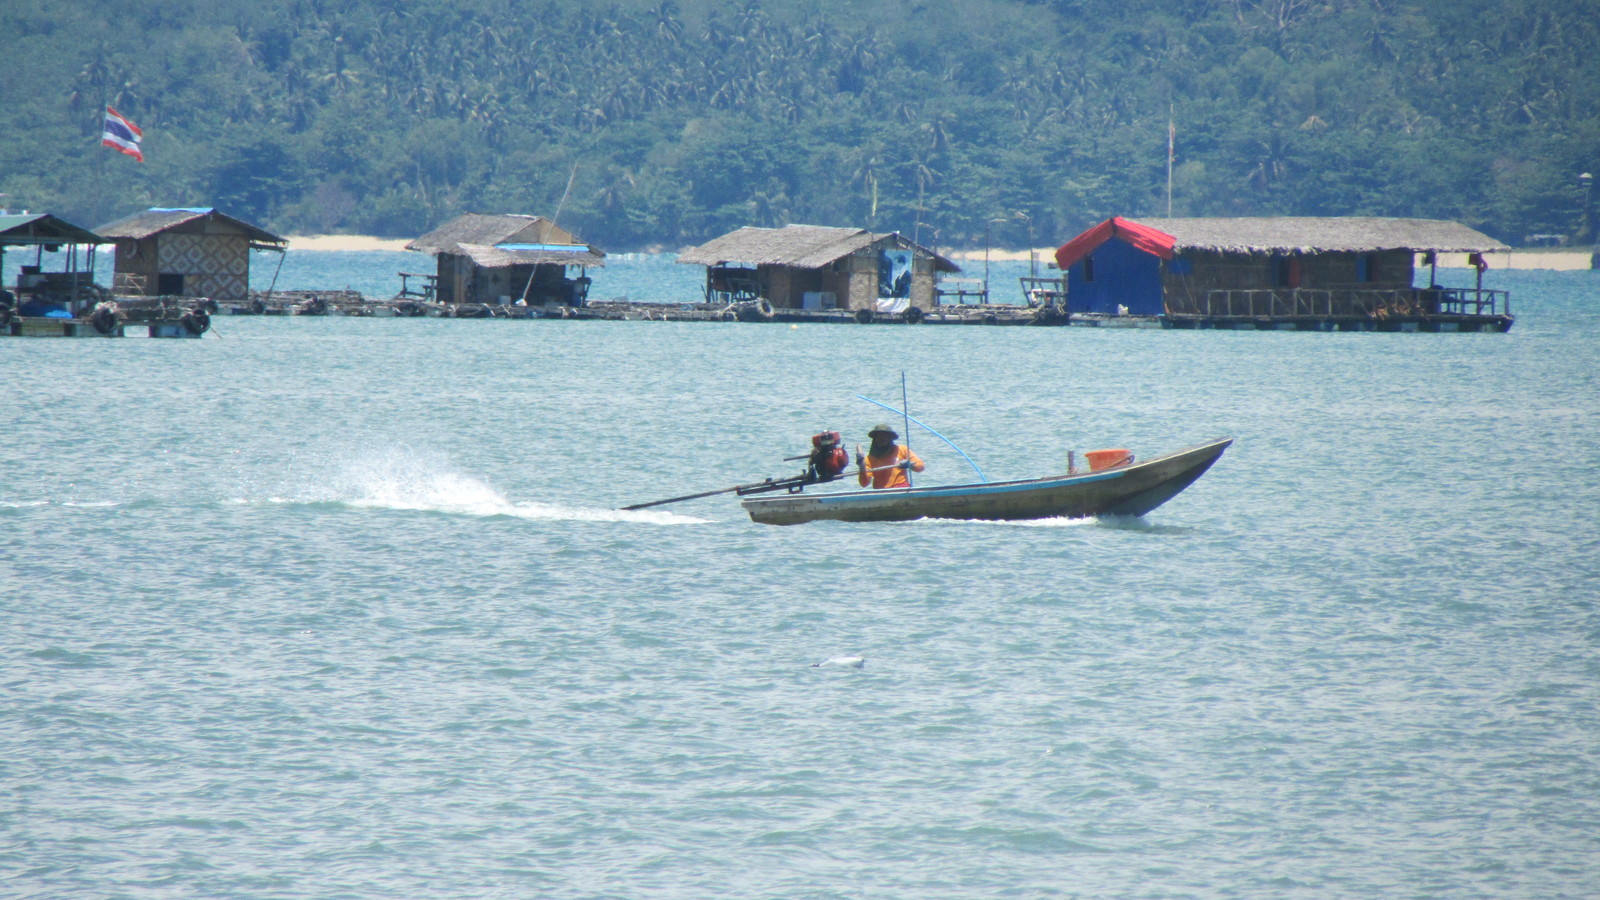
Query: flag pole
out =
(1172, 137)
(99, 169)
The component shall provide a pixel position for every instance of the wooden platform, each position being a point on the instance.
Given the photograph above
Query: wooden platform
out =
(350, 303)
(1431, 324)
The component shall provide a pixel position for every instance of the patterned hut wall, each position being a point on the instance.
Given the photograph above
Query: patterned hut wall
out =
(1394, 268)
(136, 267)
(781, 290)
(212, 265)
(788, 285)
(923, 281)
(1188, 278)
(1384, 270)
(836, 281)
(489, 285)
(453, 281)
(863, 285)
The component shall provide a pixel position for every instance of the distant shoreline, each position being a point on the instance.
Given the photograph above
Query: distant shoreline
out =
(1565, 260)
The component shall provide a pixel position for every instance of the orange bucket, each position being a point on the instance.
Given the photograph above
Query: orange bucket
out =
(1107, 459)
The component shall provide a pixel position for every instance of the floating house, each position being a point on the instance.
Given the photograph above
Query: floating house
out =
(188, 252)
(44, 302)
(1282, 272)
(815, 267)
(506, 260)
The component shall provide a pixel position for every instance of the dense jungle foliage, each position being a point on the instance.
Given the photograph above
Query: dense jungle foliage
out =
(662, 123)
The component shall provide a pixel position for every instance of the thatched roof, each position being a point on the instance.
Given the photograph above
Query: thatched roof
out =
(43, 228)
(505, 255)
(1323, 234)
(475, 228)
(799, 246)
(154, 221)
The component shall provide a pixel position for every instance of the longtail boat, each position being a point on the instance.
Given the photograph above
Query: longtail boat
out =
(1129, 489)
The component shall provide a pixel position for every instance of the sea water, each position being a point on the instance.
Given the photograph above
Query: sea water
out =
(345, 608)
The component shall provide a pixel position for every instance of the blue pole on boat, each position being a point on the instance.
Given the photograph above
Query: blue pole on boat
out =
(929, 429)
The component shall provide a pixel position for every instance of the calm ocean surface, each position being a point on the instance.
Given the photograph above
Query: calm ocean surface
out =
(343, 608)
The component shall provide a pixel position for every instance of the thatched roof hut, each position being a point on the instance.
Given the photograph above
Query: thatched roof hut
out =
(1306, 234)
(508, 258)
(1169, 265)
(192, 251)
(158, 220)
(818, 267)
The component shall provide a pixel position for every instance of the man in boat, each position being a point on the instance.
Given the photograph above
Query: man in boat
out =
(886, 462)
(828, 458)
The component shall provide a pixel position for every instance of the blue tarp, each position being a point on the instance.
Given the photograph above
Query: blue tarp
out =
(40, 309)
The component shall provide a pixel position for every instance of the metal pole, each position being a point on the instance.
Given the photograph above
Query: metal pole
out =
(905, 410)
(1172, 138)
(1587, 181)
(986, 227)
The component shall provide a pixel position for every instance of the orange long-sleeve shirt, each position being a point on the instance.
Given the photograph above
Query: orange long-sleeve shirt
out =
(889, 477)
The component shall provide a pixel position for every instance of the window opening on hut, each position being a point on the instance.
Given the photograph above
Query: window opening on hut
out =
(1367, 268)
(1088, 269)
(1286, 271)
(170, 284)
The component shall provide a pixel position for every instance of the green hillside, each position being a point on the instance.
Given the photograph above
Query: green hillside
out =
(678, 121)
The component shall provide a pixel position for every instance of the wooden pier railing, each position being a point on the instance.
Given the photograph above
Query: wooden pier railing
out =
(1303, 303)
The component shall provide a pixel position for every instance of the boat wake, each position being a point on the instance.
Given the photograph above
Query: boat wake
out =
(409, 481)
(1059, 522)
(64, 504)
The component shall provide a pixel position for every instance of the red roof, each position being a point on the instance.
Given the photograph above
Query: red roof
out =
(1142, 237)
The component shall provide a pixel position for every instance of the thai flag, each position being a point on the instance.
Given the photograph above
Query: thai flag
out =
(121, 135)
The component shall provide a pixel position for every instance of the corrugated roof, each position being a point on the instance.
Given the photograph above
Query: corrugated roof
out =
(491, 257)
(476, 228)
(43, 228)
(158, 219)
(1303, 234)
(800, 246)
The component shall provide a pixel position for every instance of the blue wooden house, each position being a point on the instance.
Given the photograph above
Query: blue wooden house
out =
(1287, 271)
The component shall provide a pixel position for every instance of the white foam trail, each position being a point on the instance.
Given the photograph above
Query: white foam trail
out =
(841, 662)
(402, 479)
(67, 504)
(1058, 522)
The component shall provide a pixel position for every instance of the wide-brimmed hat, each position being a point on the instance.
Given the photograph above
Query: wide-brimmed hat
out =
(880, 428)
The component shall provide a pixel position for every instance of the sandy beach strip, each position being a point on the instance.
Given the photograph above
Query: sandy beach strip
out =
(345, 242)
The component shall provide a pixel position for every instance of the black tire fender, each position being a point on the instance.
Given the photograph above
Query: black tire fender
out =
(104, 319)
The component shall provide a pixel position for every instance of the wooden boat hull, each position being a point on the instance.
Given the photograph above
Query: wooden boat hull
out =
(1131, 490)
